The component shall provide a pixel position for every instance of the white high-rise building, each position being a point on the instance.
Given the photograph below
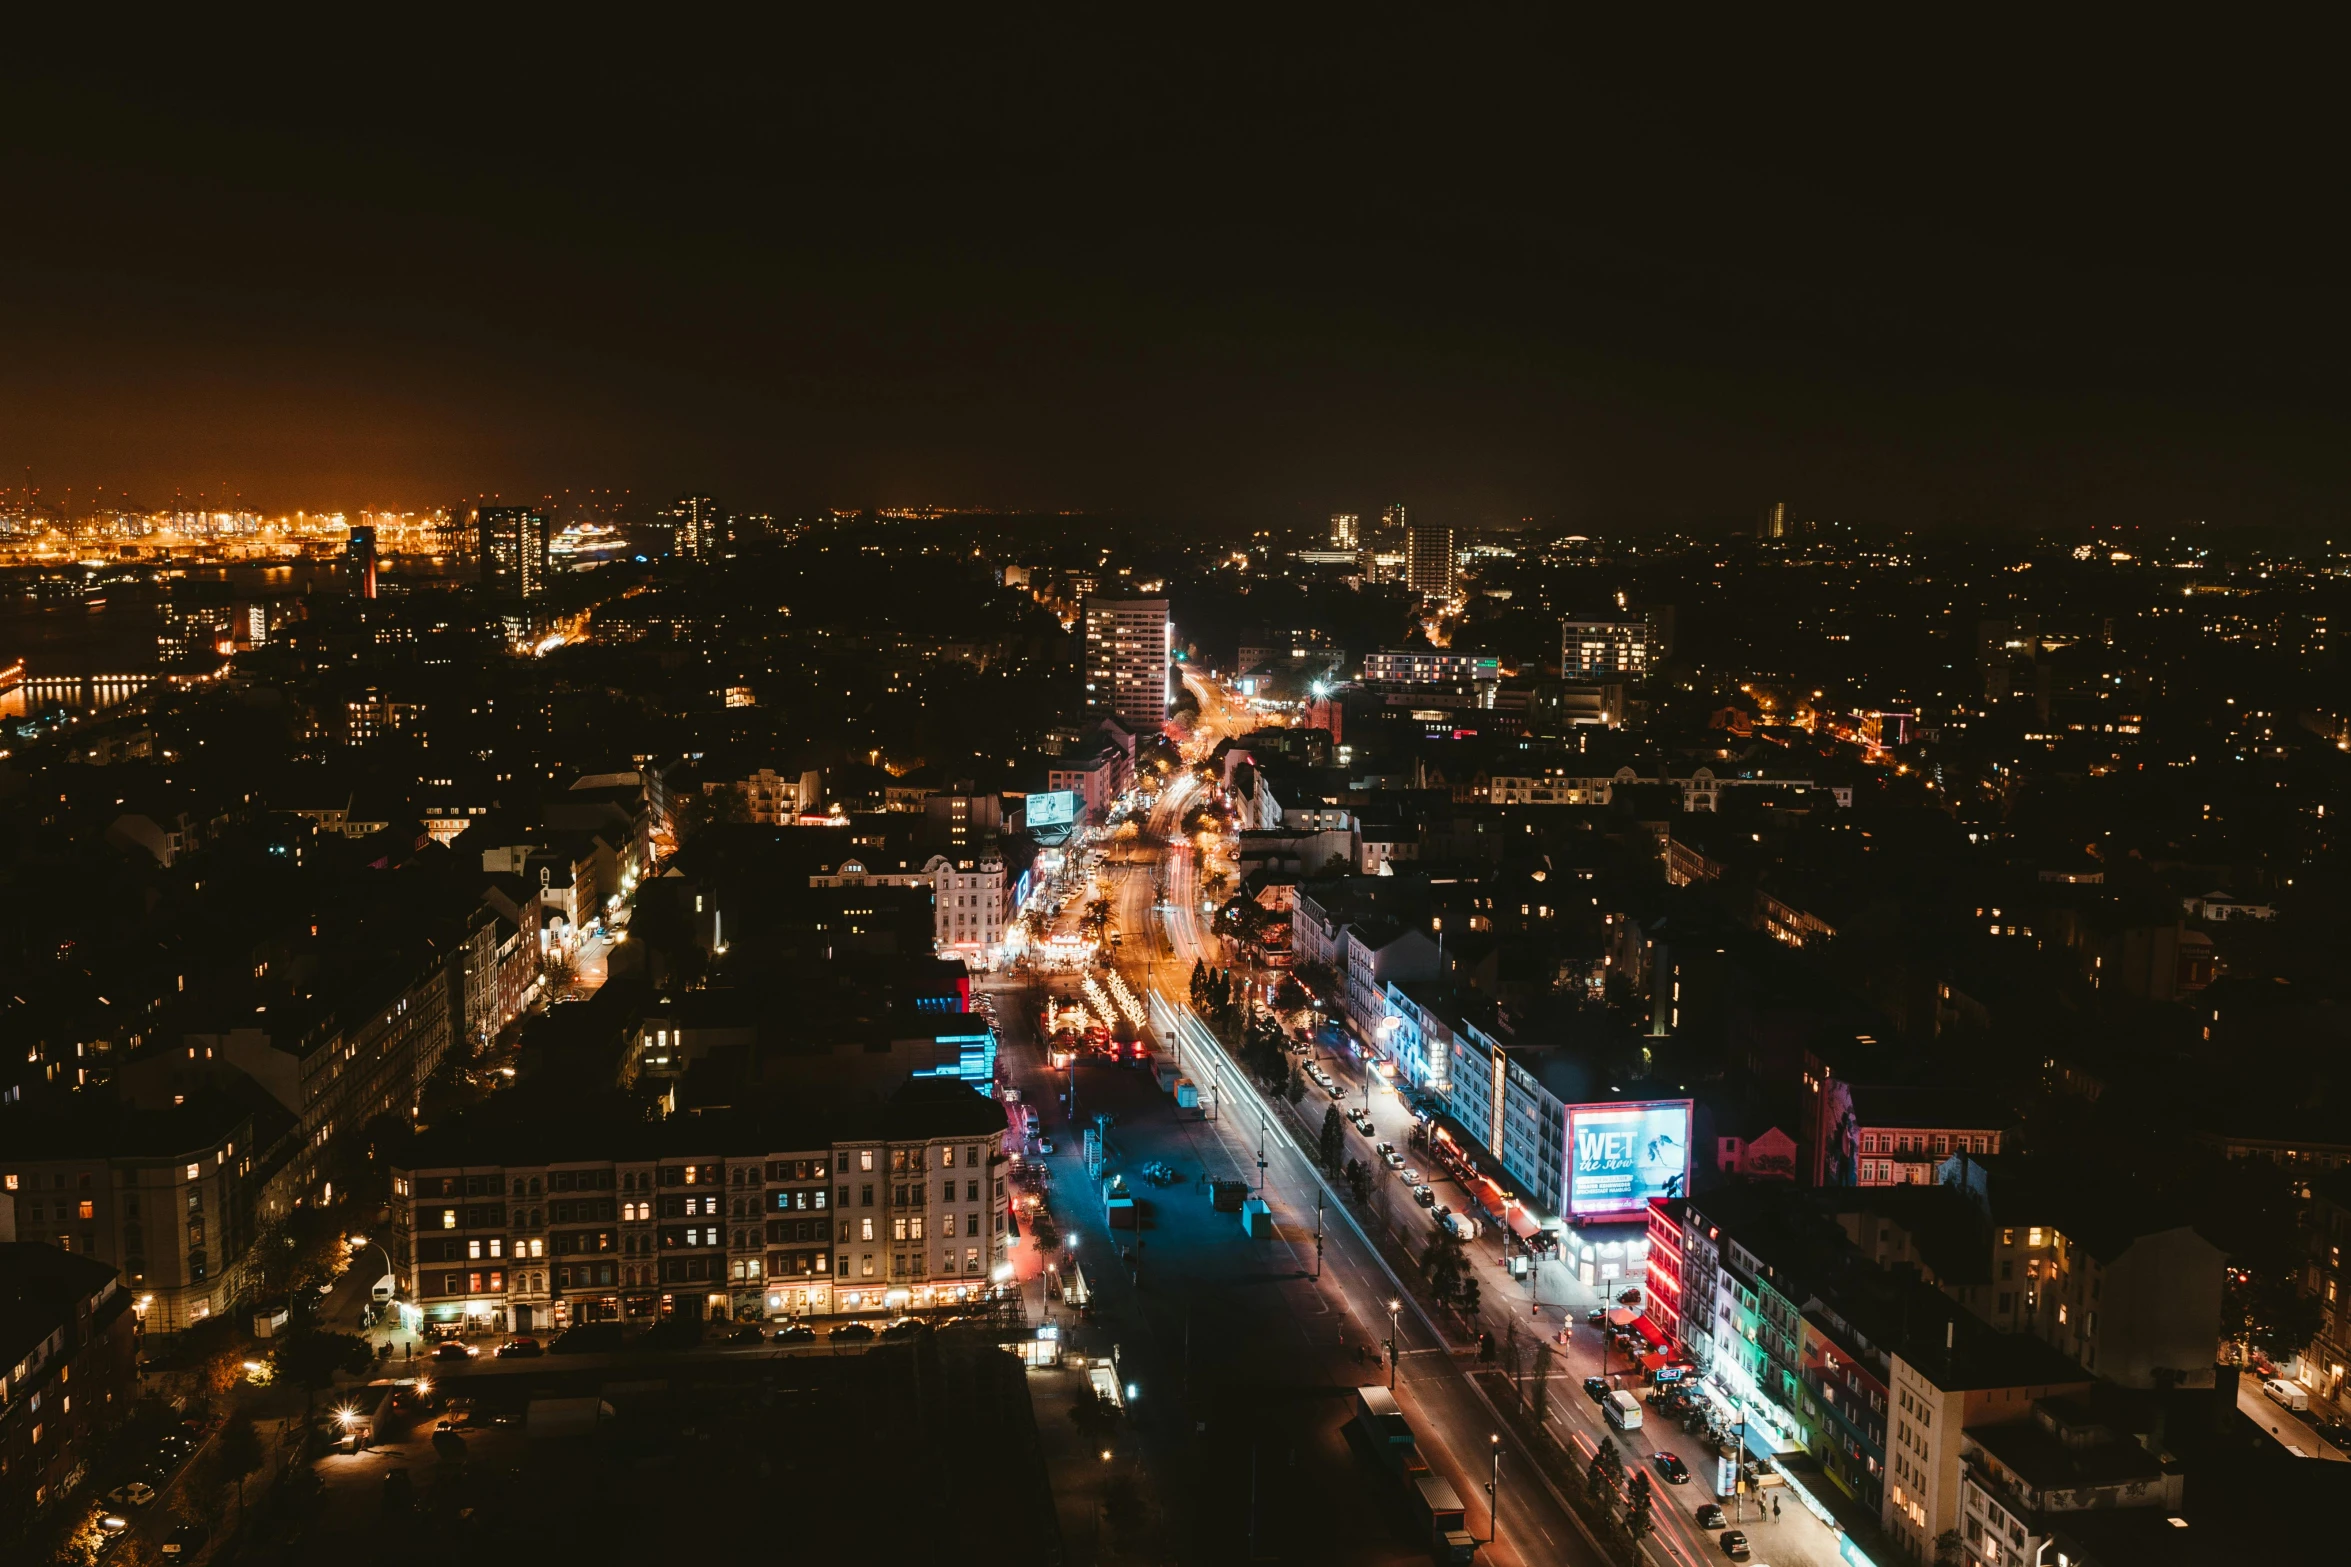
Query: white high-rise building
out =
(1346, 532)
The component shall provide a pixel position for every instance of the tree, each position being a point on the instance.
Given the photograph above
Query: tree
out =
(1638, 1522)
(1359, 1180)
(1334, 1139)
(1295, 1089)
(1466, 1295)
(1442, 1267)
(1199, 978)
(1605, 1476)
(709, 808)
(240, 1454)
(1950, 1549)
(2266, 1310)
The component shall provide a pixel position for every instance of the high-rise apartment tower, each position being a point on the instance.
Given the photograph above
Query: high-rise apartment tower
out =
(1126, 661)
(514, 550)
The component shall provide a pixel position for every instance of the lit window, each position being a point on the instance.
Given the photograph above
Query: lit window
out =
(448, 1218)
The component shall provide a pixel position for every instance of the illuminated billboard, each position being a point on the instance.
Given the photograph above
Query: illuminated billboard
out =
(1057, 809)
(1621, 1156)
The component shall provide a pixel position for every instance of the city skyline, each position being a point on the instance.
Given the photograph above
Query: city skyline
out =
(741, 294)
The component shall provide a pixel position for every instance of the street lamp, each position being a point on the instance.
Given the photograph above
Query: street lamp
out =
(1494, 1492)
(1394, 1306)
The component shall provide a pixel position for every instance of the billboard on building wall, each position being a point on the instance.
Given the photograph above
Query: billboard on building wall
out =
(1620, 1157)
(1056, 809)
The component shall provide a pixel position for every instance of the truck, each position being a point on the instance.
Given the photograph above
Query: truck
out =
(1382, 1424)
(1165, 1073)
(1460, 1226)
(1623, 1410)
(1227, 1196)
(1442, 1520)
(1257, 1217)
(1118, 1204)
(1187, 1094)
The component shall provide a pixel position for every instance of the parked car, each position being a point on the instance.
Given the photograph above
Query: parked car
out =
(1423, 1195)
(1596, 1388)
(906, 1327)
(452, 1350)
(1385, 1149)
(1393, 1159)
(185, 1541)
(1671, 1466)
(795, 1333)
(853, 1330)
(1734, 1545)
(136, 1493)
(1044, 1145)
(1710, 1515)
(748, 1333)
(522, 1348)
(1411, 1176)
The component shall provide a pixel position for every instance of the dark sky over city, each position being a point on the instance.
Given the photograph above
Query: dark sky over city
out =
(1242, 274)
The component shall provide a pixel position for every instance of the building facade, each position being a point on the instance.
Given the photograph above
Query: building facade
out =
(1610, 648)
(68, 1374)
(718, 1216)
(1429, 561)
(1126, 661)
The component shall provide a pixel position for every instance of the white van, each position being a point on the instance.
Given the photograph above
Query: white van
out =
(1623, 1410)
(2287, 1395)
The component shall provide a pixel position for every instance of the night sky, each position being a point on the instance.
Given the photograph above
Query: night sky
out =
(1240, 274)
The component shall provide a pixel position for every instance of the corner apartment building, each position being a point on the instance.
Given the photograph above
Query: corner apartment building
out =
(1380, 951)
(2056, 1477)
(167, 1199)
(972, 895)
(68, 1374)
(1126, 643)
(337, 1068)
(532, 1222)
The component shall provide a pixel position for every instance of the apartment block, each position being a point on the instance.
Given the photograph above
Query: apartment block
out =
(533, 1222)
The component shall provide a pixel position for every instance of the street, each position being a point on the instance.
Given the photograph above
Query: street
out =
(1158, 911)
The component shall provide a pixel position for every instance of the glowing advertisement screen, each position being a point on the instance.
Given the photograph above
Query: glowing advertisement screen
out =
(1058, 809)
(1620, 1157)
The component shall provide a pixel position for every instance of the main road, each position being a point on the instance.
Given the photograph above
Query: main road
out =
(1338, 1299)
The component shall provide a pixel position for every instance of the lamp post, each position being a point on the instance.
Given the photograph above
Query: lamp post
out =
(1394, 1307)
(1494, 1492)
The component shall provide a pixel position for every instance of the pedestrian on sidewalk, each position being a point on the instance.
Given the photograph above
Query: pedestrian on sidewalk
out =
(1775, 1509)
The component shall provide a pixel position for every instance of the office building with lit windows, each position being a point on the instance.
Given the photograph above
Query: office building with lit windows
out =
(534, 1221)
(1126, 661)
(513, 549)
(1429, 565)
(1604, 649)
